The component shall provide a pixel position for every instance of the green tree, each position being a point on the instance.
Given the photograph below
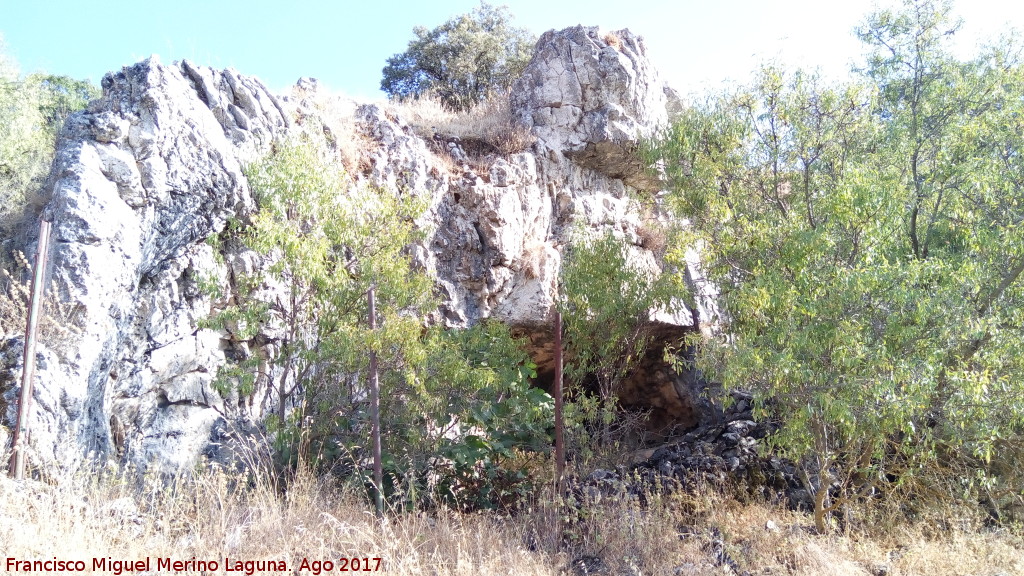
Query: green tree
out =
(322, 234)
(606, 301)
(866, 239)
(953, 128)
(453, 403)
(461, 61)
(32, 111)
(26, 145)
(61, 96)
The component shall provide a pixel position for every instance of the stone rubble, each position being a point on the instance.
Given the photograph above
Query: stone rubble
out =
(723, 454)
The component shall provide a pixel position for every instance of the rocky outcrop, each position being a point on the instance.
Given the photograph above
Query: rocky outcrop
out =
(727, 453)
(592, 95)
(145, 181)
(140, 181)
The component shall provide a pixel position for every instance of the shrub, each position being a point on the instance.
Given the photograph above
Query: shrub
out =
(606, 301)
(32, 110)
(455, 404)
(866, 241)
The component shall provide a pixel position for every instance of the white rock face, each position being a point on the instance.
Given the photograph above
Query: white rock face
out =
(154, 169)
(140, 181)
(592, 95)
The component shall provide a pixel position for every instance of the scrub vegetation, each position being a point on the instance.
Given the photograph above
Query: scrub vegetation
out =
(867, 240)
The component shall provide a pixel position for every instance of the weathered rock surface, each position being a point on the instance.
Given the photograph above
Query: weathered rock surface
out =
(592, 95)
(139, 182)
(154, 169)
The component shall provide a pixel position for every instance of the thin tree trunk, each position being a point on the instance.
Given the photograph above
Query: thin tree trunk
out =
(378, 472)
(559, 425)
(21, 432)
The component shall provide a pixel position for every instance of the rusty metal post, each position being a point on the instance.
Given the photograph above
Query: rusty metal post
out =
(559, 426)
(378, 472)
(21, 432)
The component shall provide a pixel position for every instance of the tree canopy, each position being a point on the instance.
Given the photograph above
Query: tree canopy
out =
(867, 240)
(32, 110)
(462, 60)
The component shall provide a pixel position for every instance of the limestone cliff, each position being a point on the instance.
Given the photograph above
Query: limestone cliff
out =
(153, 169)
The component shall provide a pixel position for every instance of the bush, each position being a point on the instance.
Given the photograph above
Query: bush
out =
(456, 405)
(26, 145)
(866, 238)
(606, 301)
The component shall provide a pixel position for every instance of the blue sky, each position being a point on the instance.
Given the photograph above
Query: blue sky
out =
(695, 44)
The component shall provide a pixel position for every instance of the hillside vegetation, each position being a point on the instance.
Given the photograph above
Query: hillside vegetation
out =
(867, 241)
(32, 109)
(209, 518)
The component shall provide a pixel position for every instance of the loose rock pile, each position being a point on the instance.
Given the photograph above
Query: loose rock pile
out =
(727, 454)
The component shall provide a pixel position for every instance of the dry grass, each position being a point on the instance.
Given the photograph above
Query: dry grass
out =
(533, 258)
(612, 39)
(481, 134)
(426, 115)
(209, 518)
(57, 326)
(334, 116)
(205, 518)
(488, 125)
(653, 236)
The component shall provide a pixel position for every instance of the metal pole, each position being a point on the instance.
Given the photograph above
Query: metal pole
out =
(559, 427)
(17, 468)
(378, 473)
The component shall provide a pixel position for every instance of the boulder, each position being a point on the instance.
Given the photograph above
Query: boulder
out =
(592, 95)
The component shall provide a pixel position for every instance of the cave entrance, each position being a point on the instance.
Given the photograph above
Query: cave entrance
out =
(671, 395)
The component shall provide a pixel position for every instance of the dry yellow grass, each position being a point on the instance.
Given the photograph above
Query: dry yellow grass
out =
(333, 115)
(676, 534)
(490, 122)
(206, 520)
(482, 132)
(612, 39)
